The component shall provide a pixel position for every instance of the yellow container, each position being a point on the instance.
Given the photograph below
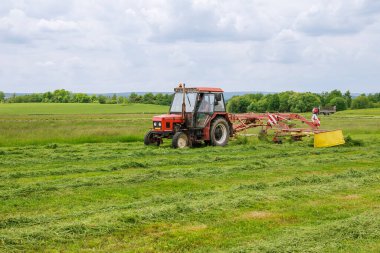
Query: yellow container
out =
(328, 139)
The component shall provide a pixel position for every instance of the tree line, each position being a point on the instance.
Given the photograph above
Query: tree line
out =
(290, 101)
(64, 96)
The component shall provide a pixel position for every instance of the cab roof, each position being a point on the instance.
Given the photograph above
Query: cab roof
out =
(208, 89)
(199, 89)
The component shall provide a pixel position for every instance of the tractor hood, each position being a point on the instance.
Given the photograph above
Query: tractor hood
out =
(175, 117)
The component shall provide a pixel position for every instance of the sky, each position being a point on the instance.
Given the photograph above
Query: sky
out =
(100, 46)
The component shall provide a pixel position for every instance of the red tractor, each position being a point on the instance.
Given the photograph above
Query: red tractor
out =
(196, 115)
(199, 115)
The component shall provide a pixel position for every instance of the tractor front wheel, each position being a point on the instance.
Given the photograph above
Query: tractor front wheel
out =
(219, 132)
(180, 140)
(150, 139)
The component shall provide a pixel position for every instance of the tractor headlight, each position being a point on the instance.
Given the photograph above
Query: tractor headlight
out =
(157, 124)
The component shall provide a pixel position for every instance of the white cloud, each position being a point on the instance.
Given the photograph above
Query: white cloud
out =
(56, 25)
(17, 27)
(45, 63)
(97, 46)
(337, 17)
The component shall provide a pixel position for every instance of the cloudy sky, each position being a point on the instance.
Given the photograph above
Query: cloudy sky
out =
(151, 45)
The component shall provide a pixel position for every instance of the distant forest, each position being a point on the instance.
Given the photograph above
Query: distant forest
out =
(64, 96)
(288, 101)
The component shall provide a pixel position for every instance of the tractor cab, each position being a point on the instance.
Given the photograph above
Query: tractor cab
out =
(200, 104)
(191, 113)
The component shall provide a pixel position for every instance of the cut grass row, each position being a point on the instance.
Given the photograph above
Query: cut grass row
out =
(19, 130)
(126, 197)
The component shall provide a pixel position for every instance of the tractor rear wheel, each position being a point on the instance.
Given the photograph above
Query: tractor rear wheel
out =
(220, 132)
(180, 140)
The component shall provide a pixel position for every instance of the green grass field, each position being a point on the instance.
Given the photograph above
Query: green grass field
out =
(75, 108)
(87, 185)
(23, 124)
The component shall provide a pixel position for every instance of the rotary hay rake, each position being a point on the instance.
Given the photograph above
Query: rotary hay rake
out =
(285, 125)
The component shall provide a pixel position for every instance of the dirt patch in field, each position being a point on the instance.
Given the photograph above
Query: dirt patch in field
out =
(194, 227)
(260, 215)
(162, 229)
(350, 197)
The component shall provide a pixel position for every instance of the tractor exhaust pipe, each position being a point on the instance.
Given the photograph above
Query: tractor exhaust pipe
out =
(183, 100)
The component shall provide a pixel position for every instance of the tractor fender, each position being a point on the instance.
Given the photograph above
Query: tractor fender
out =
(206, 129)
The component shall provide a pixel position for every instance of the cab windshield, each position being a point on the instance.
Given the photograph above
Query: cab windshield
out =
(190, 99)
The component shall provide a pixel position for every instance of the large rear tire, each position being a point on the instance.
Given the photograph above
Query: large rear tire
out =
(180, 140)
(219, 132)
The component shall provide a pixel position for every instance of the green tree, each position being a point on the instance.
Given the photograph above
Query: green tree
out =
(102, 99)
(303, 102)
(159, 99)
(339, 102)
(347, 96)
(169, 99)
(233, 104)
(374, 98)
(333, 94)
(284, 101)
(28, 98)
(61, 96)
(273, 102)
(244, 102)
(254, 97)
(238, 104)
(2, 96)
(360, 102)
(94, 99)
(296, 104)
(252, 107)
(262, 105)
(47, 97)
(81, 98)
(148, 98)
(34, 98)
(323, 98)
(121, 100)
(112, 100)
(134, 98)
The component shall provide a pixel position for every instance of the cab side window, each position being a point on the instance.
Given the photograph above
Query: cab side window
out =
(219, 103)
(207, 104)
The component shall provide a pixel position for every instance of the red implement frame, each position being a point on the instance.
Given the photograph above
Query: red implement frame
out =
(281, 123)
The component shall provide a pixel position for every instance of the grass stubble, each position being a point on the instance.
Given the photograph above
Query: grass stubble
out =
(251, 196)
